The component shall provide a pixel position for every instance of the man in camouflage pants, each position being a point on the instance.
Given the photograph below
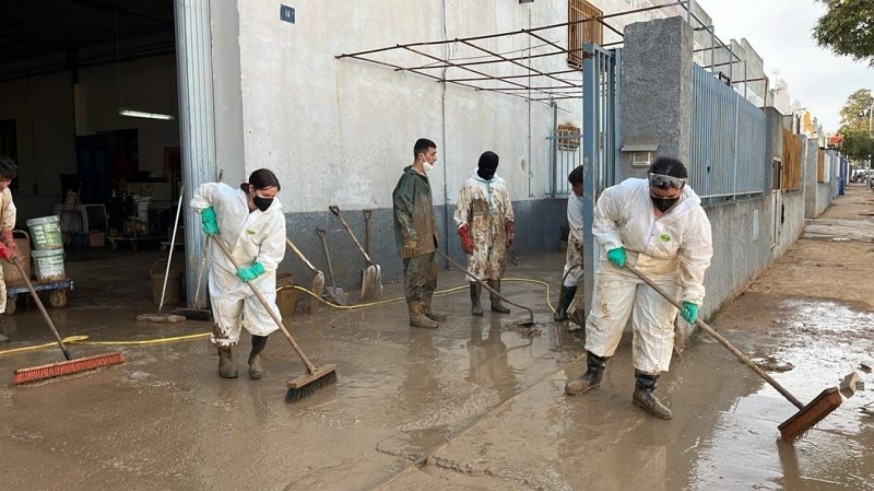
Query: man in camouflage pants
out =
(416, 234)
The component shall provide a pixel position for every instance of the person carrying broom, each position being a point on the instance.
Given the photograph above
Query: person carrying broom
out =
(8, 250)
(249, 220)
(658, 226)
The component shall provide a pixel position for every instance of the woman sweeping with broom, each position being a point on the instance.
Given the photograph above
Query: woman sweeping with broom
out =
(249, 221)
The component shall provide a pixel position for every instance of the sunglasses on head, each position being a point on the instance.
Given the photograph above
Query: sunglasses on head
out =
(664, 182)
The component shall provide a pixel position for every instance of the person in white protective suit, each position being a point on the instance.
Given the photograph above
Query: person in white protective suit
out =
(250, 222)
(485, 220)
(658, 225)
(573, 267)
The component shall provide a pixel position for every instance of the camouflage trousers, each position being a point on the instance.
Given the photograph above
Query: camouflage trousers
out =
(420, 276)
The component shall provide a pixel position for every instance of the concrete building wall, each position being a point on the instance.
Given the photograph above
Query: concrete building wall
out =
(823, 196)
(809, 179)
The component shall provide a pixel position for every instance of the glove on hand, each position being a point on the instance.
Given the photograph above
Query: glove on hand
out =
(617, 256)
(7, 253)
(7, 239)
(410, 248)
(466, 241)
(207, 217)
(689, 312)
(511, 235)
(249, 273)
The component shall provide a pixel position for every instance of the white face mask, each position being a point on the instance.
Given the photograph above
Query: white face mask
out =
(428, 167)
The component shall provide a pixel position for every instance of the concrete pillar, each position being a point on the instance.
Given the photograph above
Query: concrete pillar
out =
(657, 89)
(811, 148)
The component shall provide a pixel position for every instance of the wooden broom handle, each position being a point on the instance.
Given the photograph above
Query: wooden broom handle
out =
(16, 261)
(310, 367)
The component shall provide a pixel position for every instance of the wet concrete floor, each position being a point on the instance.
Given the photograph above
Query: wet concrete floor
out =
(475, 404)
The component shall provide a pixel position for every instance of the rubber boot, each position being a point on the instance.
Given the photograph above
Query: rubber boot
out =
(589, 380)
(497, 306)
(564, 301)
(429, 312)
(258, 344)
(418, 317)
(226, 363)
(643, 396)
(475, 291)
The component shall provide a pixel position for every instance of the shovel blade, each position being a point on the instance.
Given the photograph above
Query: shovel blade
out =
(337, 296)
(318, 288)
(371, 283)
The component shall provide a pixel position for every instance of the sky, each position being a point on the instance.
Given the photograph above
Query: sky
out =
(781, 32)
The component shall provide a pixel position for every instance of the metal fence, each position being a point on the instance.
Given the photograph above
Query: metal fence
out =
(728, 140)
(565, 153)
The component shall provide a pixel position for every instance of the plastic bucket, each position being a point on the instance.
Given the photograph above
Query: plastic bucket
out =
(286, 296)
(46, 232)
(48, 264)
(10, 272)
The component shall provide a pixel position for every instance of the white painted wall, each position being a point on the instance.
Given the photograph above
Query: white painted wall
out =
(340, 131)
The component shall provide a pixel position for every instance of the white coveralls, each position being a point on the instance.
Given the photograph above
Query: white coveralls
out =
(485, 206)
(7, 220)
(256, 236)
(673, 250)
(574, 241)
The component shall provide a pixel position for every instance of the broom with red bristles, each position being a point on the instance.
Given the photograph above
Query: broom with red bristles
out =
(807, 416)
(59, 369)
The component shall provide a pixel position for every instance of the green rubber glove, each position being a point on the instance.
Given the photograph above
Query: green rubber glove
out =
(249, 273)
(689, 312)
(207, 217)
(617, 256)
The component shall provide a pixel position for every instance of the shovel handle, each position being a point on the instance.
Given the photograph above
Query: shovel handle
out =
(486, 285)
(16, 261)
(336, 211)
(310, 367)
(724, 342)
(300, 255)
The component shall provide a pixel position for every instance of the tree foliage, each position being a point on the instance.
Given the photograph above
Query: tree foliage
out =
(856, 131)
(848, 28)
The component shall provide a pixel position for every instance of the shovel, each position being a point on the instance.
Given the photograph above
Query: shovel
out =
(334, 294)
(318, 286)
(528, 323)
(371, 276)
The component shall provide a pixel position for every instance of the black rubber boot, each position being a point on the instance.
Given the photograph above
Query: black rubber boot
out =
(431, 313)
(644, 398)
(475, 291)
(564, 301)
(589, 380)
(226, 363)
(497, 306)
(258, 344)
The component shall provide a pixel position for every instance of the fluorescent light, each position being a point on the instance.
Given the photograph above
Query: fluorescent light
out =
(143, 114)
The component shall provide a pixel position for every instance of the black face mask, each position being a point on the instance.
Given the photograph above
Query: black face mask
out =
(664, 204)
(262, 203)
(486, 173)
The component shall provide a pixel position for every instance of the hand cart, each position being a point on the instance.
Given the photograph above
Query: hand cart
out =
(57, 297)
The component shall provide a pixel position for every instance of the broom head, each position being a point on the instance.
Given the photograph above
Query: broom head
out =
(52, 370)
(306, 385)
(811, 414)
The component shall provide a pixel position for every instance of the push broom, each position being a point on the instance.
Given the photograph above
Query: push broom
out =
(315, 378)
(59, 369)
(806, 417)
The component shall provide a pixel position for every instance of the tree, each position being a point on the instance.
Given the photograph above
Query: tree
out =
(858, 141)
(848, 28)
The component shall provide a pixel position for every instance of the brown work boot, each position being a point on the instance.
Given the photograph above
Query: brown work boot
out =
(497, 306)
(258, 344)
(418, 317)
(429, 312)
(589, 380)
(643, 396)
(226, 363)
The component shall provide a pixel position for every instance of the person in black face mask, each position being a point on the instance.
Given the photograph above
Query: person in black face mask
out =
(250, 222)
(656, 224)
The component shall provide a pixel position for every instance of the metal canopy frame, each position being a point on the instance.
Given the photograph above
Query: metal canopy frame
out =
(470, 63)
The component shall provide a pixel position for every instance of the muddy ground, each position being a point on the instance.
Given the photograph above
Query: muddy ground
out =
(475, 404)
